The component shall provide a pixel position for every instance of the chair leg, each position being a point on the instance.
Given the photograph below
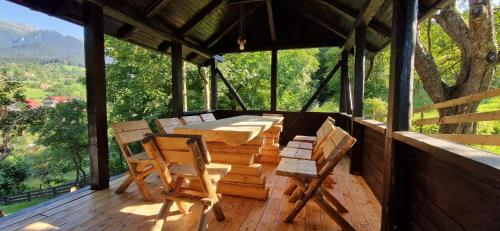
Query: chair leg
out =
(289, 218)
(296, 195)
(290, 188)
(124, 185)
(202, 226)
(332, 213)
(161, 218)
(141, 186)
(219, 214)
(341, 208)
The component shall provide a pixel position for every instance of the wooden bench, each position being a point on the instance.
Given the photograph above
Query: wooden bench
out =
(196, 119)
(167, 125)
(207, 117)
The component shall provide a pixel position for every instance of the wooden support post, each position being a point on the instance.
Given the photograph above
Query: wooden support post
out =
(96, 95)
(184, 89)
(344, 72)
(359, 71)
(274, 78)
(177, 80)
(232, 91)
(213, 84)
(395, 202)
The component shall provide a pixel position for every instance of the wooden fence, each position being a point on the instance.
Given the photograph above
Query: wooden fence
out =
(462, 118)
(43, 193)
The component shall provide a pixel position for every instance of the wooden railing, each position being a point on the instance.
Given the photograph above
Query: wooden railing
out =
(43, 193)
(462, 118)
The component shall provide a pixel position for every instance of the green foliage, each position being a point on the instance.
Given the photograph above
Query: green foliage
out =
(13, 171)
(138, 82)
(375, 108)
(63, 132)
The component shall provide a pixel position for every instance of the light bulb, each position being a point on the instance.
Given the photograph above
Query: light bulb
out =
(242, 47)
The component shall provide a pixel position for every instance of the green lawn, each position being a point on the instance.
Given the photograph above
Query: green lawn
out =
(11, 208)
(34, 93)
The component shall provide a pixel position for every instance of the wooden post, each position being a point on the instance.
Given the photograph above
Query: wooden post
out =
(184, 88)
(395, 204)
(344, 78)
(274, 78)
(213, 84)
(206, 87)
(359, 71)
(96, 95)
(177, 80)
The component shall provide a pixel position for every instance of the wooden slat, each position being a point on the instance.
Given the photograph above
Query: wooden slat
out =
(461, 100)
(297, 168)
(463, 118)
(207, 117)
(191, 119)
(296, 153)
(130, 126)
(470, 138)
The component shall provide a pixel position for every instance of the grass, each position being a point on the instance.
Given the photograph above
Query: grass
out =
(34, 93)
(12, 208)
(33, 183)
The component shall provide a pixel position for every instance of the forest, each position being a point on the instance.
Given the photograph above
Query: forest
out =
(44, 147)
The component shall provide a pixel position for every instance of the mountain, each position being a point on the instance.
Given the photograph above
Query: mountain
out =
(21, 43)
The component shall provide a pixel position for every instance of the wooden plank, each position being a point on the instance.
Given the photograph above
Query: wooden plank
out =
(195, 119)
(96, 95)
(126, 30)
(246, 169)
(470, 138)
(460, 100)
(243, 190)
(462, 118)
(207, 117)
(213, 84)
(296, 168)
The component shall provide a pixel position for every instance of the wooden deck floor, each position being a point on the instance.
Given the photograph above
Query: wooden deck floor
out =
(105, 210)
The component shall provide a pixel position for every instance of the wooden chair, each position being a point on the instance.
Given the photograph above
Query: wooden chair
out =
(196, 119)
(166, 126)
(309, 139)
(324, 133)
(207, 117)
(188, 159)
(140, 164)
(305, 174)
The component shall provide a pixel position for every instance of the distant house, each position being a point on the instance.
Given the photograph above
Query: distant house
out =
(32, 103)
(52, 101)
(45, 86)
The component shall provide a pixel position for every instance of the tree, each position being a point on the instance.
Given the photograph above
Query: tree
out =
(13, 171)
(475, 58)
(63, 130)
(14, 116)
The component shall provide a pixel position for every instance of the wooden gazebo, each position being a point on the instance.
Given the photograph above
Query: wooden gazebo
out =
(422, 183)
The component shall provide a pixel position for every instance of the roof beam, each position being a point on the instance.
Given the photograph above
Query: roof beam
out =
(363, 19)
(351, 14)
(270, 19)
(63, 7)
(232, 2)
(127, 30)
(336, 30)
(218, 36)
(204, 12)
(116, 10)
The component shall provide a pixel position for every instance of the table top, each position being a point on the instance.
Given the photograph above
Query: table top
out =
(232, 131)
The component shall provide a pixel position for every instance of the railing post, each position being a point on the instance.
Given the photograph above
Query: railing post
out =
(177, 80)
(274, 78)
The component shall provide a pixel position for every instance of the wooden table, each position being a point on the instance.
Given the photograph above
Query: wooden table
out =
(237, 141)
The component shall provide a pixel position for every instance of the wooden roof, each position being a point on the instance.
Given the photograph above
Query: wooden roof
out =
(209, 27)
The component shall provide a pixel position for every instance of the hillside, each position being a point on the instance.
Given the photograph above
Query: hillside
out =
(20, 43)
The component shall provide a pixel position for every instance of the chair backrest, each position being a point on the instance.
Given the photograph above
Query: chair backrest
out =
(129, 132)
(207, 117)
(188, 151)
(272, 114)
(167, 125)
(324, 133)
(338, 145)
(196, 119)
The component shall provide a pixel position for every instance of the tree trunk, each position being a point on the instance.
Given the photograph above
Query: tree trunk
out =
(478, 51)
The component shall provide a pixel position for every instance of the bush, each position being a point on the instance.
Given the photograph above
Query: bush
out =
(13, 171)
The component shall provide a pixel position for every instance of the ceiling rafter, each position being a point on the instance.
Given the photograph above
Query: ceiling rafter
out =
(116, 9)
(270, 19)
(62, 7)
(219, 35)
(332, 28)
(364, 17)
(351, 14)
(197, 18)
(127, 30)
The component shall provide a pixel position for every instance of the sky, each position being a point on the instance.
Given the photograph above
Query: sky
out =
(23, 15)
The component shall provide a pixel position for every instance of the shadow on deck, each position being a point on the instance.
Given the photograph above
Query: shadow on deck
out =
(105, 210)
